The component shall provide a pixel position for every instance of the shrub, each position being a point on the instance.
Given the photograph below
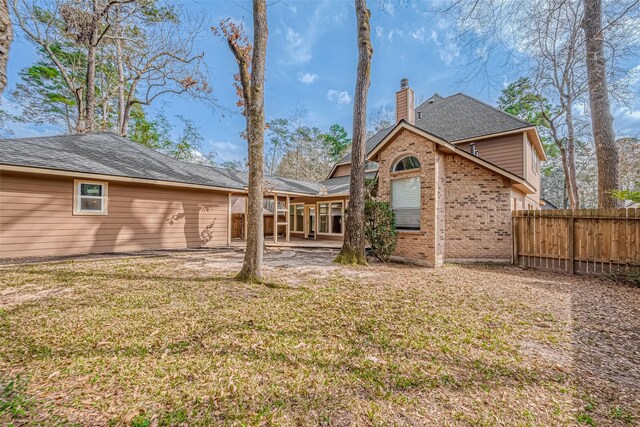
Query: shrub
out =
(380, 229)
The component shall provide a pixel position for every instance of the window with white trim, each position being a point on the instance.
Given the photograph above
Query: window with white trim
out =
(405, 202)
(331, 217)
(323, 218)
(296, 217)
(90, 198)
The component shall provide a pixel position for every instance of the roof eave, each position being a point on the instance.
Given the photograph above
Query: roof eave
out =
(119, 178)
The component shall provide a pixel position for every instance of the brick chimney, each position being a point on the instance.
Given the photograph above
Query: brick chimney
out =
(404, 103)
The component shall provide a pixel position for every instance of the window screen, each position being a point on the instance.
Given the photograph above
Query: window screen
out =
(91, 197)
(405, 201)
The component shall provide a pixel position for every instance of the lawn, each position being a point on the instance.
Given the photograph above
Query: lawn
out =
(173, 340)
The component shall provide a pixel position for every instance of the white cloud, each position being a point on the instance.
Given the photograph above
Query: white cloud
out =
(379, 31)
(418, 34)
(229, 151)
(308, 78)
(395, 32)
(298, 48)
(447, 47)
(341, 97)
(299, 40)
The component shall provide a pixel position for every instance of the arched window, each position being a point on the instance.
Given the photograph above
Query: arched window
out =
(406, 163)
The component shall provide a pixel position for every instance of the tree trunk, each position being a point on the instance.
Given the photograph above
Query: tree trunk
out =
(122, 110)
(6, 37)
(252, 265)
(568, 191)
(353, 248)
(90, 103)
(601, 119)
(569, 157)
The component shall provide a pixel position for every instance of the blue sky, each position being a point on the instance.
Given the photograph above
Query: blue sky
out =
(311, 61)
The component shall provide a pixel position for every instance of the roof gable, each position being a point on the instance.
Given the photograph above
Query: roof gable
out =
(450, 148)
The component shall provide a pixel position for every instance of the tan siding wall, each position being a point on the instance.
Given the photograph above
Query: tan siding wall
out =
(532, 175)
(342, 170)
(504, 151)
(36, 218)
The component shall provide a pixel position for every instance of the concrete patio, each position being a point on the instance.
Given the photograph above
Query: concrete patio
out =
(294, 242)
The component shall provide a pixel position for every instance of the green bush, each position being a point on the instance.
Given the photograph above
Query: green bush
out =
(380, 229)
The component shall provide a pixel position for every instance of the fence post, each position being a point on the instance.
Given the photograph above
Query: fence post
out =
(514, 236)
(570, 244)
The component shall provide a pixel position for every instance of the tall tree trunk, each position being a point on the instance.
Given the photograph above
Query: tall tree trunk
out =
(601, 119)
(353, 248)
(568, 190)
(90, 103)
(122, 123)
(252, 265)
(569, 157)
(6, 37)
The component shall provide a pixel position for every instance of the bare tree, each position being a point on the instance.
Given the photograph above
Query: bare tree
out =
(560, 58)
(155, 58)
(557, 65)
(601, 119)
(140, 52)
(380, 118)
(250, 87)
(6, 37)
(353, 248)
(88, 23)
(45, 31)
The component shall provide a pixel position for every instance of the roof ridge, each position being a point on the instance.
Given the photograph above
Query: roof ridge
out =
(491, 106)
(427, 100)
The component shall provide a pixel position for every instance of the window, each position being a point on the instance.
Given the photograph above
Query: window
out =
(405, 202)
(90, 198)
(300, 218)
(331, 217)
(292, 217)
(536, 162)
(406, 163)
(323, 219)
(296, 217)
(336, 218)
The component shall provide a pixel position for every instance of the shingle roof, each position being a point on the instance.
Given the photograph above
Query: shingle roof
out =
(460, 116)
(454, 118)
(340, 185)
(110, 154)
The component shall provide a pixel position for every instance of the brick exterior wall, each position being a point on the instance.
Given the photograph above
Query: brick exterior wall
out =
(466, 208)
(417, 246)
(478, 212)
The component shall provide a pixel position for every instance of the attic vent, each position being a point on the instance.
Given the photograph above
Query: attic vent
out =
(419, 114)
(431, 101)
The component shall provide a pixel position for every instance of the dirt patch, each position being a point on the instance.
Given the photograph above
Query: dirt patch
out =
(28, 293)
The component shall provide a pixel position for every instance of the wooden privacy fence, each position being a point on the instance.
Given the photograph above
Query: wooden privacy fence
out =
(578, 241)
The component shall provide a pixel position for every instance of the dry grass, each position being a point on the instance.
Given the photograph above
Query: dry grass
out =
(174, 341)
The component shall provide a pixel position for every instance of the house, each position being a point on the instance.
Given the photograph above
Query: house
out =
(452, 169)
